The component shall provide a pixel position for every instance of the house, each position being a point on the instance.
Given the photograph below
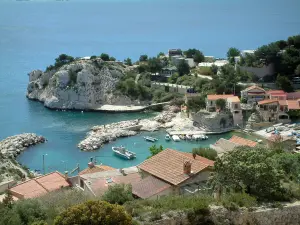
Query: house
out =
(222, 145)
(234, 106)
(168, 71)
(174, 52)
(39, 186)
(217, 63)
(172, 172)
(253, 94)
(92, 168)
(276, 95)
(211, 101)
(275, 110)
(95, 184)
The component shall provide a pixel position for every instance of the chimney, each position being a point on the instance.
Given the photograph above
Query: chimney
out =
(66, 175)
(91, 164)
(187, 167)
(194, 155)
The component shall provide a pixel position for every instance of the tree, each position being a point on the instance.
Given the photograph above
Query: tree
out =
(154, 65)
(143, 58)
(284, 83)
(297, 71)
(62, 60)
(208, 153)
(232, 52)
(112, 59)
(94, 213)
(155, 150)
(118, 194)
(173, 78)
(160, 54)
(93, 57)
(183, 68)
(195, 104)
(198, 57)
(252, 170)
(221, 103)
(214, 69)
(8, 199)
(128, 62)
(104, 57)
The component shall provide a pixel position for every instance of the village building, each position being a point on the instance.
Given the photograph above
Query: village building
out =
(168, 71)
(174, 52)
(274, 110)
(182, 173)
(253, 94)
(39, 186)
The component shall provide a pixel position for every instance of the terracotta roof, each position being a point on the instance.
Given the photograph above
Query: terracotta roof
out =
(199, 158)
(254, 87)
(215, 97)
(283, 102)
(242, 141)
(293, 104)
(149, 186)
(256, 93)
(224, 145)
(233, 99)
(168, 166)
(40, 185)
(96, 168)
(276, 92)
(267, 101)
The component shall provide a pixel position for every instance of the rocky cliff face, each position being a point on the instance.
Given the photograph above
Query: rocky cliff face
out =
(82, 84)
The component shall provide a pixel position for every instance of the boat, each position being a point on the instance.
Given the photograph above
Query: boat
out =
(258, 140)
(182, 137)
(152, 139)
(188, 137)
(199, 137)
(123, 152)
(175, 138)
(167, 137)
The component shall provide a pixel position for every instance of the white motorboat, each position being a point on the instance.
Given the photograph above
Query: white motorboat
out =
(123, 152)
(148, 138)
(199, 137)
(175, 138)
(167, 137)
(189, 137)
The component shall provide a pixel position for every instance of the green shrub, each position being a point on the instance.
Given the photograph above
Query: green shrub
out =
(118, 194)
(208, 153)
(235, 200)
(203, 70)
(94, 213)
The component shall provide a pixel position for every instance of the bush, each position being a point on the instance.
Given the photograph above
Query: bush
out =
(234, 200)
(94, 213)
(203, 70)
(195, 104)
(104, 57)
(208, 153)
(118, 194)
(93, 57)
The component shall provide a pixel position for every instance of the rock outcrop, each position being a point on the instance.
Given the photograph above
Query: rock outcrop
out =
(81, 85)
(9, 149)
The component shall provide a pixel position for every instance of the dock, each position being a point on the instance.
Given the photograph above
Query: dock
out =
(199, 132)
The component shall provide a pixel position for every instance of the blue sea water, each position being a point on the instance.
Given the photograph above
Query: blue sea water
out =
(33, 33)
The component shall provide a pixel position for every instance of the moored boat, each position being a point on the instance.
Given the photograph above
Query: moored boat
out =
(182, 137)
(152, 139)
(123, 152)
(175, 138)
(167, 137)
(189, 137)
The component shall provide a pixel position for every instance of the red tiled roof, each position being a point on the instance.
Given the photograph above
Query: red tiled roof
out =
(242, 141)
(40, 185)
(293, 104)
(254, 87)
(267, 101)
(234, 99)
(215, 97)
(283, 102)
(96, 168)
(149, 186)
(276, 92)
(168, 166)
(199, 158)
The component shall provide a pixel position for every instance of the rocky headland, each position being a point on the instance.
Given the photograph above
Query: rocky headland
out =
(85, 84)
(169, 119)
(9, 149)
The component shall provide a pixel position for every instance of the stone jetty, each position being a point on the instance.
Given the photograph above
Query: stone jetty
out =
(110, 132)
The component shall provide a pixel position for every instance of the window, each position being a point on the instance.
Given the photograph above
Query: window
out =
(211, 103)
(81, 183)
(236, 106)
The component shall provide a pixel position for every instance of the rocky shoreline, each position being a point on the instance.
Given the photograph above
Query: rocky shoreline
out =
(9, 149)
(169, 119)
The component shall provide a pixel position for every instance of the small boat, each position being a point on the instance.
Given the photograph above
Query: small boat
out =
(258, 140)
(182, 137)
(152, 139)
(167, 137)
(123, 152)
(189, 137)
(175, 138)
(199, 137)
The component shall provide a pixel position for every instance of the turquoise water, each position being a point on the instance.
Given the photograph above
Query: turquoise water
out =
(33, 33)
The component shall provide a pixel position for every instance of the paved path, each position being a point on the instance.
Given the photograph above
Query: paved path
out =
(125, 108)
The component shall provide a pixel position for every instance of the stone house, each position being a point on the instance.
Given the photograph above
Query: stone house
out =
(253, 94)
(211, 101)
(172, 172)
(168, 71)
(274, 110)
(174, 52)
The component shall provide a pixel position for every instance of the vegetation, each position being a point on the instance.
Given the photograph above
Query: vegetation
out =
(104, 57)
(94, 213)
(118, 194)
(221, 104)
(232, 52)
(183, 68)
(154, 65)
(143, 58)
(128, 62)
(284, 83)
(195, 54)
(60, 61)
(208, 153)
(195, 104)
(155, 150)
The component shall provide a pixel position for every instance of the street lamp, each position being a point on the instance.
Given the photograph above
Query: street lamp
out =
(44, 170)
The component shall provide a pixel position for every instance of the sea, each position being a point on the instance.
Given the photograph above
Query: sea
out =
(34, 33)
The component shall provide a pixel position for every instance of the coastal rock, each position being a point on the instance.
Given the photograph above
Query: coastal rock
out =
(9, 149)
(81, 84)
